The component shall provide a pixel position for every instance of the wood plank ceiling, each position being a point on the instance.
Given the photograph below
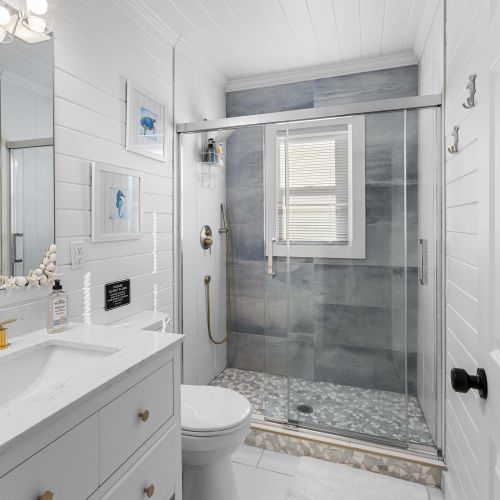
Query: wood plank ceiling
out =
(251, 37)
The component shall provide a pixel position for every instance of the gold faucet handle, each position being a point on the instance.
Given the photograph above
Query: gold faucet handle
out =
(3, 333)
(48, 495)
(7, 322)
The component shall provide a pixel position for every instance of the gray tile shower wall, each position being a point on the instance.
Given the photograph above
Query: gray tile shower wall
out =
(347, 319)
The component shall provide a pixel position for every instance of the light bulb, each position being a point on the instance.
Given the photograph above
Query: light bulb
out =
(4, 15)
(5, 36)
(38, 7)
(37, 24)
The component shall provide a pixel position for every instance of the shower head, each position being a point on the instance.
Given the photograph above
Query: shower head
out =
(223, 135)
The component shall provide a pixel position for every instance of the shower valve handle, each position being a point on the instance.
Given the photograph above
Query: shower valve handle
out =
(461, 381)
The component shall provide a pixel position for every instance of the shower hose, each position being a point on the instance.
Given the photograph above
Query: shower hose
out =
(207, 280)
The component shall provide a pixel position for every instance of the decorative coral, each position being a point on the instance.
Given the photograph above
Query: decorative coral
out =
(43, 275)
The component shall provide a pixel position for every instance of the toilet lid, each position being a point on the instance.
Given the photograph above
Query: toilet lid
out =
(211, 409)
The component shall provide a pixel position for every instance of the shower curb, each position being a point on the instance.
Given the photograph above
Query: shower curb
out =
(275, 437)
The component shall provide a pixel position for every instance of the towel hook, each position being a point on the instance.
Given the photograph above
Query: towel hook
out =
(454, 134)
(471, 87)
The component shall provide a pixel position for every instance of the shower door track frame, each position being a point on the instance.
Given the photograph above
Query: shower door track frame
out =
(361, 108)
(358, 108)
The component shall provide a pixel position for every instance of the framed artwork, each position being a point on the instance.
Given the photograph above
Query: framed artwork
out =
(116, 203)
(146, 124)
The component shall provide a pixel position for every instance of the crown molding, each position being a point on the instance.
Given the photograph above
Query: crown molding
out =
(324, 71)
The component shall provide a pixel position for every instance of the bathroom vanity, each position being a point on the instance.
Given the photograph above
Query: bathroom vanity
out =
(91, 413)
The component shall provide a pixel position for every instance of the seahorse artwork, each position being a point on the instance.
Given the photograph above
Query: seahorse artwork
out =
(119, 203)
(148, 124)
(43, 275)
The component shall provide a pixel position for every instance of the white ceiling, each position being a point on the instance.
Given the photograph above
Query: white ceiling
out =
(243, 38)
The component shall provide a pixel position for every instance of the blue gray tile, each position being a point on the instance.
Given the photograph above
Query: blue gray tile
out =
(247, 242)
(368, 86)
(269, 99)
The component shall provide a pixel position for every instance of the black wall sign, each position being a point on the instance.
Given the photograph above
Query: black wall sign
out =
(116, 294)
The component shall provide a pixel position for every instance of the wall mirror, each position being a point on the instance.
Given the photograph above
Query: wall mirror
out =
(27, 161)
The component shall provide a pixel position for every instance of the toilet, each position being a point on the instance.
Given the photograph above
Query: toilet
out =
(214, 422)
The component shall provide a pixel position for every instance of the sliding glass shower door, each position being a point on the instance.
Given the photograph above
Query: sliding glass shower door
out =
(342, 273)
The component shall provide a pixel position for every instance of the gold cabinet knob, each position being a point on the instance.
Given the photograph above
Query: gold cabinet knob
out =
(48, 495)
(144, 415)
(150, 490)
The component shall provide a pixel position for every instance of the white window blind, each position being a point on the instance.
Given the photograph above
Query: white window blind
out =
(318, 185)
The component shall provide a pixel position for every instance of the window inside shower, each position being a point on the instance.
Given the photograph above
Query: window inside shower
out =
(346, 343)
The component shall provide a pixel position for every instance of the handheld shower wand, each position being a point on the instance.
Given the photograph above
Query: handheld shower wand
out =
(223, 230)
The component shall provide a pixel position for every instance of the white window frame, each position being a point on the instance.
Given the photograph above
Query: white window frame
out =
(356, 245)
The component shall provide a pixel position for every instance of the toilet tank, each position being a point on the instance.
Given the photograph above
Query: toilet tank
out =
(146, 320)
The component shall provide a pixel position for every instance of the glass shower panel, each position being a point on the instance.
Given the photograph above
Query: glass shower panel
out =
(348, 340)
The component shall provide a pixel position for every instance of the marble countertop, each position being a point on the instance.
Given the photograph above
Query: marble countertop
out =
(127, 347)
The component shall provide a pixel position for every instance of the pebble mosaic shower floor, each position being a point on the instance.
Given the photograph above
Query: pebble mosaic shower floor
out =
(341, 407)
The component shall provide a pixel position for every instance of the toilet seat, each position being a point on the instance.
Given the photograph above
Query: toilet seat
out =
(212, 411)
(216, 433)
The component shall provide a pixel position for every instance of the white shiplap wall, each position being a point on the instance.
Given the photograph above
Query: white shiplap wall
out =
(98, 46)
(200, 98)
(463, 411)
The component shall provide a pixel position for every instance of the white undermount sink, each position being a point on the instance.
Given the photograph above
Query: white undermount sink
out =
(35, 368)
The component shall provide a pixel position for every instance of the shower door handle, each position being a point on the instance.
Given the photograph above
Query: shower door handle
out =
(18, 248)
(424, 262)
(270, 266)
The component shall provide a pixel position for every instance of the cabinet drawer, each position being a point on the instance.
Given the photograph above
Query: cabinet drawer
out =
(128, 421)
(157, 468)
(67, 467)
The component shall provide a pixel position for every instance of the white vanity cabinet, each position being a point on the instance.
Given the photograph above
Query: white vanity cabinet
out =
(68, 468)
(127, 446)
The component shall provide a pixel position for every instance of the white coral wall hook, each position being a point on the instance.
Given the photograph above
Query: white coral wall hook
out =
(454, 134)
(470, 102)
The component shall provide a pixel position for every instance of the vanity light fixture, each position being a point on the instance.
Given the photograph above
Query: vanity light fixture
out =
(4, 15)
(36, 16)
(32, 17)
(38, 7)
(6, 24)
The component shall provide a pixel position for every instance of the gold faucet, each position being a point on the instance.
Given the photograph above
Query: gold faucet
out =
(3, 332)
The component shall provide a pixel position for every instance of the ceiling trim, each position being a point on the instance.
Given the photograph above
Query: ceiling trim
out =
(324, 71)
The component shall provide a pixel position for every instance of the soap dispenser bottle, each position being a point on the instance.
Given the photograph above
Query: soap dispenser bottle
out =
(58, 309)
(211, 155)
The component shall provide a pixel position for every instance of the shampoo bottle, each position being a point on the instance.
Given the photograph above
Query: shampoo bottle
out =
(58, 309)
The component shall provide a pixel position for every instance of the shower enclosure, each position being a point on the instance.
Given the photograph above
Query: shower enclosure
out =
(334, 217)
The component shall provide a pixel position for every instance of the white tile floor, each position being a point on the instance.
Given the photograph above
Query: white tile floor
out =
(263, 475)
(266, 475)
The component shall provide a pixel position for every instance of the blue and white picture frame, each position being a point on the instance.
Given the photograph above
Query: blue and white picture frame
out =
(146, 124)
(116, 203)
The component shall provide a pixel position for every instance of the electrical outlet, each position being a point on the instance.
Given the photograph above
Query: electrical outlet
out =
(77, 254)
